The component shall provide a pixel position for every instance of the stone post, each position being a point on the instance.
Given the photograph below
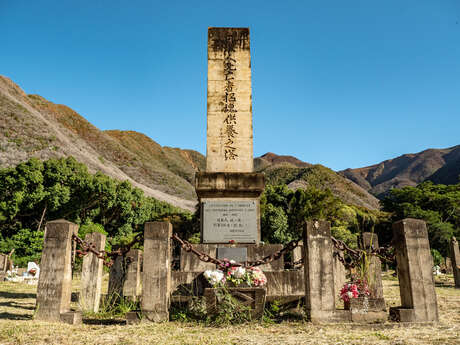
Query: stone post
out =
(455, 260)
(91, 274)
(367, 241)
(117, 277)
(340, 275)
(55, 281)
(319, 271)
(3, 263)
(415, 273)
(132, 284)
(156, 281)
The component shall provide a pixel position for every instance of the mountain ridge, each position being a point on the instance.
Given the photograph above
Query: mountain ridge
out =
(32, 126)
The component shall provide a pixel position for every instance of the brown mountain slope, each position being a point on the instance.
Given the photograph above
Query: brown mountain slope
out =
(31, 126)
(438, 165)
(297, 174)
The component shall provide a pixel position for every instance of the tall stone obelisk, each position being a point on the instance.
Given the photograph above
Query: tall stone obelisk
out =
(229, 190)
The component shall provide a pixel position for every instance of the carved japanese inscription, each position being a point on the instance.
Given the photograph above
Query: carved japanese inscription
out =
(229, 132)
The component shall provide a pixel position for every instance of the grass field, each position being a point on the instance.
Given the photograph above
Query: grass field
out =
(18, 327)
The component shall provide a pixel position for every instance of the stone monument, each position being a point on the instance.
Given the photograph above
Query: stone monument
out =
(229, 190)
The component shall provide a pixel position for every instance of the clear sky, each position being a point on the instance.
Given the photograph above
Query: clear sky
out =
(340, 83)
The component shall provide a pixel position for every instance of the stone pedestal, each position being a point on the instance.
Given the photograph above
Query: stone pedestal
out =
(230, 206)
(55, 281)
(368, 241)
(319, 272)
(91, 274)
(251, 297)
(156, 279)
(455, 260)
(415, 273)
(367, 309)
(132, 284)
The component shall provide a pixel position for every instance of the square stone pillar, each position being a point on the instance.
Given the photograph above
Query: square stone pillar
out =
(156, 280)
(55, 281)
(91, 274)
(455, 260)
(415, 273)
(3, 263)
(132, 284)
(319, 271)
(340, 275)
(117, 277)
(367, 242)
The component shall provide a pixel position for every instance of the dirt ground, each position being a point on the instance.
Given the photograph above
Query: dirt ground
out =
(17, 326)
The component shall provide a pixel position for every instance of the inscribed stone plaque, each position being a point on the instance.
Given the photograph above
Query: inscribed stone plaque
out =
(226, 220)
(239, 254)
(229, 131)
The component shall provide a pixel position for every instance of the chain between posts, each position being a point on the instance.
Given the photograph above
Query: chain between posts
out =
(356, 255)
(107, 257)
(188, 247)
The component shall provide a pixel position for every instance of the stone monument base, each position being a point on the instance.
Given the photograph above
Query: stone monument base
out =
(230, 206)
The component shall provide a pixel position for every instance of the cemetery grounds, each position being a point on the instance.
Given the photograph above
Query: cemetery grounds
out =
(17, 302)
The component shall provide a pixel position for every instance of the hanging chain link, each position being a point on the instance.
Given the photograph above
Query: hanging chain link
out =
(107, 257)
(188, 247)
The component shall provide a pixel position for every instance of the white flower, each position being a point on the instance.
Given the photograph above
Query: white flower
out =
(350, 294)
(214, 277)
(239, 272)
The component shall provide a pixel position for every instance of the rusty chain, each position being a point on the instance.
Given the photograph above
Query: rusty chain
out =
(188, 247)
(107, 257)
(356, 255)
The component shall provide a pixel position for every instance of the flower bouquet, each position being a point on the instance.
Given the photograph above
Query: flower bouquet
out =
(357, 290)
(236, 276)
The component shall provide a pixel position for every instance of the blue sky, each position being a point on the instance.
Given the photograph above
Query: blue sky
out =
(340, 83)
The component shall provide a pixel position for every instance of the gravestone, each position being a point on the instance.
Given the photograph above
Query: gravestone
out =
(229, 190)
(455, 260)
(415, 273)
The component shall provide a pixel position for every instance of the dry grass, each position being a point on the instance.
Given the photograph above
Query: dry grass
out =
(17, 327)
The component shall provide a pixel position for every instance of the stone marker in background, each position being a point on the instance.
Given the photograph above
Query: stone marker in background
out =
(156, 280)
(367, 241)
(132, 284)
(55, 281)
(117, 277)
(91, 274)
(229, 190)
(340, 275)
(415, 273)
(448, 263)
(455, 259)
(319, 271)
(3, 262)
